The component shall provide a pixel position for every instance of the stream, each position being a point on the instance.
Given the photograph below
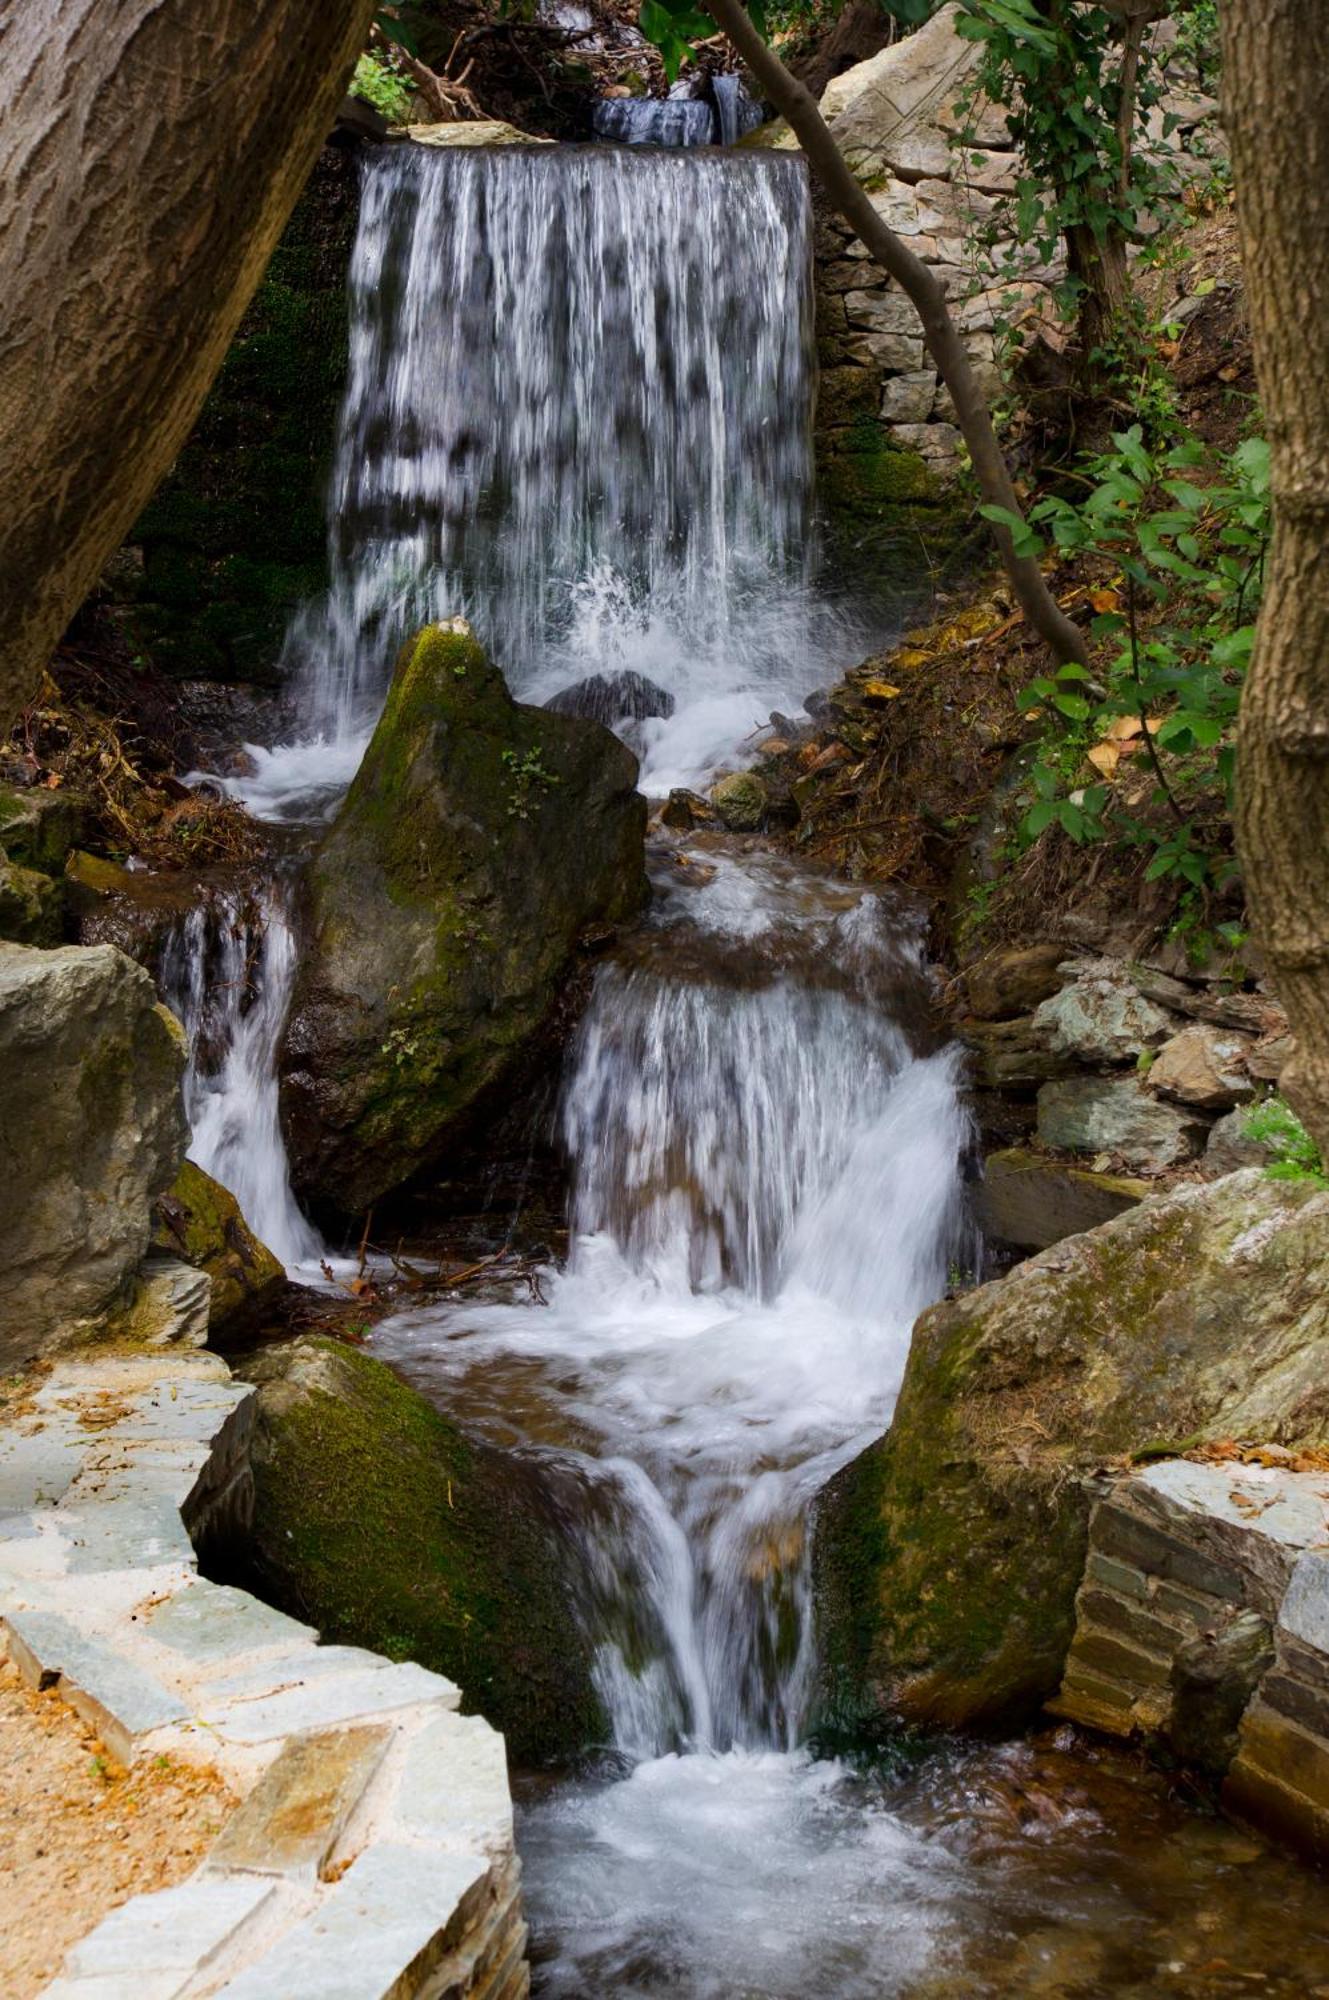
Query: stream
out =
(579, 410)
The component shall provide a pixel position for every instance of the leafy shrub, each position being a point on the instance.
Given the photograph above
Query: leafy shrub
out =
(1296, 1157)
(1183, 565)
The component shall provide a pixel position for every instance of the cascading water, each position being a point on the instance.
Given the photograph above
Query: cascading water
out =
(227, 973)
(579, 412)
(766, 1192)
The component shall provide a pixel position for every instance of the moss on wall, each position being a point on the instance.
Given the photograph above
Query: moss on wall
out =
(234, 537)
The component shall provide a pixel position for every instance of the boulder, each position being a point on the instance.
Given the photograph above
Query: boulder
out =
(92, 1129)
(442, 913)
(887, 113)
(1100, 1017)
(948, 1555)
(378, 1521)
(741, 800)
(1032, 1202)
(39, 827)
(1011, 1055)
(32, 906)
(1203, 1066)
(1118, 1115)
(611, 698)
(199, 1221)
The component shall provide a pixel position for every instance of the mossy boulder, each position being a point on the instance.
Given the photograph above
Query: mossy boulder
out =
(199, 1221)
(32, 906)
(479, 843)
(378, 1521)
(947, 1556)
(741, 800)
(38, 827)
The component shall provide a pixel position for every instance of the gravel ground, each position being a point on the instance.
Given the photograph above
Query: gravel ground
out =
(79, 1835)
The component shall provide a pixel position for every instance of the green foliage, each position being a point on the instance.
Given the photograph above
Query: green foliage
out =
(1059, 73)
(675, 26)
(383, 88)
(1296, 1157)
(528, 774)
(1177, 619)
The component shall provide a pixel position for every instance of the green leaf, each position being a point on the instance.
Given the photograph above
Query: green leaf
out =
(1040, 816)
(1073, 705)
(1023, 538)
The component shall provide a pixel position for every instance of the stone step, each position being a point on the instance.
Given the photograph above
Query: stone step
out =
(210, 1625)
(454, 1789)
(327, 1701)
(292, 1820)
(122, 1703)
(382, 1930)
(157, 1944)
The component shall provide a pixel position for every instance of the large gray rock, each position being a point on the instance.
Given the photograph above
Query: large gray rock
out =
(948, 1556)
(1118, 1116)
(92, 1130)
(890, 113)
(1101, 1017)
(477, 844)
(1032, 1202)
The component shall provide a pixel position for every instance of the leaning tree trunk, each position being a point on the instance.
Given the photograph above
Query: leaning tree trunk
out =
(1276, 91)
(150, 153)
(925, 293)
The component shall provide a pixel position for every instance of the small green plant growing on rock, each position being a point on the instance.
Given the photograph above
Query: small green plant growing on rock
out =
(529, 775)
(1296, 1157)
(383, 88)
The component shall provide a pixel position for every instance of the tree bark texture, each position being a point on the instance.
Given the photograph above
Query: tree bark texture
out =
(1276, 109)
(150, 154)
(929, 300)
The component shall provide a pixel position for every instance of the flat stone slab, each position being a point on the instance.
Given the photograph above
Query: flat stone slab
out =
(454, 1789)
(378, 1933)
(38, 1466)
(1305, 1612)
(1288, 1507)
(293, 1818)
(322, 1704)
(210, 1623)
(120, 1701)
(142, 1533)
(299, 1667)
(175, 1931)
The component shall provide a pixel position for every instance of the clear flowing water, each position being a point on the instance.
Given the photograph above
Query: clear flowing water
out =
(579, 412)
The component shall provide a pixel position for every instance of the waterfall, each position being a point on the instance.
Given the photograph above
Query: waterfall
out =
(227, 972)
(579, 412)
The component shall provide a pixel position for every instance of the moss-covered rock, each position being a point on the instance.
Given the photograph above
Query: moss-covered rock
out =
(39, 827)
(479, 841)
(32, 906)
(741, 800)
(377, 1521)
(948, 1555)
(199, 1221)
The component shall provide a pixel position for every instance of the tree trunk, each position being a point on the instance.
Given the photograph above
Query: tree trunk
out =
(1276, 110)
(923, 289)
(150, 153)
(1100, 267)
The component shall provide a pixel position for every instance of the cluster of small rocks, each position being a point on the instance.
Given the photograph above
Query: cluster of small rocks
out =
(1138, 1072)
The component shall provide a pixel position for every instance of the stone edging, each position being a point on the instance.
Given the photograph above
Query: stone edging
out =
(372, 1853)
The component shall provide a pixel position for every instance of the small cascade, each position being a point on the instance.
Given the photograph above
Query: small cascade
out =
(655, 121)
(227, 973)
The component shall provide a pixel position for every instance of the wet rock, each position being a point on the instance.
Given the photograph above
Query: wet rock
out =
(1100, 1017)
(684, 810)
(1119, 1116)
(91, 1130)
(1033, 1202)
(741, 800)
(1213, 1679)
(611, 698)
(32, 906)
(199, 1221)
(136, 912)
(1012, 981)
(378, 1521)
(1280, 1776)
(478, 841)
(948, 1556)
(1205, 1067)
